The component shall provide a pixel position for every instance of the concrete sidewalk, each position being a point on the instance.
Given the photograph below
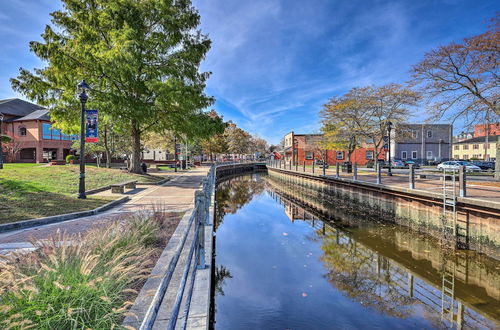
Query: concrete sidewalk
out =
(173, 197)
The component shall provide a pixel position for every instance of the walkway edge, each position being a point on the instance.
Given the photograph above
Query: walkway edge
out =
(59, 218)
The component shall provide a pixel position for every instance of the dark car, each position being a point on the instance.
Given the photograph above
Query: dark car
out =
(321, 163)
(411, 162)
(371, 163)
(485, 166)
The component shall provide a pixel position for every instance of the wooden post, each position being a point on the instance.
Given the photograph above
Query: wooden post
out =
(313, 166)
(296, 166)
(337, 170)
(410, 283)
(304, 167)
(290, 165)
(462, 177)
(324, 168)
(355, 172)
(411, 177)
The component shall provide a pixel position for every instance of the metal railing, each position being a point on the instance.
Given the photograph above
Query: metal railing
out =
(200, 218)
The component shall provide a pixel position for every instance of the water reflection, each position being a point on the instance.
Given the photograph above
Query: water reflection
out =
(352, 273)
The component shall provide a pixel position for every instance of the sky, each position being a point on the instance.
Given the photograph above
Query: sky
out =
(274, 63)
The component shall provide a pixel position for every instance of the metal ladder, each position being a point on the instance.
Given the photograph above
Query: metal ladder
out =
(448, 291)
(449, 218)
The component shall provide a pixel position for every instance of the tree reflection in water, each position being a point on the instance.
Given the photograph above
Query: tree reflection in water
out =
(221, 273)
(352, 271)
(233, 193)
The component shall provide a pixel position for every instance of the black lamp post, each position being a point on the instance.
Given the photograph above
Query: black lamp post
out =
(389, 128)
(1, 150)
(82, 88)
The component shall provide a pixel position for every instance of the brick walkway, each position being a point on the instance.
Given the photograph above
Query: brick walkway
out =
(173, 197)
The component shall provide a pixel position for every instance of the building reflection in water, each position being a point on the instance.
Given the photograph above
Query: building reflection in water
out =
(385, 267)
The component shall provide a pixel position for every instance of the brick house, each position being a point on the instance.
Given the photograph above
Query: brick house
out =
(30, 126)
(480, 129)
(304, 148)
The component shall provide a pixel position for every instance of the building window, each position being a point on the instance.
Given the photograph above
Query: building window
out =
(404, 155)
(429, 133)
(414, 134)
(429, 154)
(413, 155)
(369, 141)
(340, 155)
(466, 147)
(466, 156)
(456, 147)
(309, 155)
(369, 154)
(456, 157)
(475, 146)
(46, 133)
(27, 153)
(22, 131)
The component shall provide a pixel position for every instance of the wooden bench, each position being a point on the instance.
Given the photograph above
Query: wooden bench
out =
(57, 162)
(119, 188)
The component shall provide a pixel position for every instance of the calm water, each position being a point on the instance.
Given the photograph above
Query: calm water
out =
(285, 261)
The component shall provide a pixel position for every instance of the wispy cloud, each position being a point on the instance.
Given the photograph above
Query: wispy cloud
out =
(275, 62)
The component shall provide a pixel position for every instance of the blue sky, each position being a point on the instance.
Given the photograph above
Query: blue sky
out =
(275, 62)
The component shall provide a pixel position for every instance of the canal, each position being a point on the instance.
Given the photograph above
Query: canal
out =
(288, 258)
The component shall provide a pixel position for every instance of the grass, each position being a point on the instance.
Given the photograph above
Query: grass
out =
(32, 191)
(81, 282)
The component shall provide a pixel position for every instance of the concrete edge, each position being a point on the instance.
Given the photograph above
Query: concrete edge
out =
(199, 311)
(59, 218)
(417, 192)
(149, 290)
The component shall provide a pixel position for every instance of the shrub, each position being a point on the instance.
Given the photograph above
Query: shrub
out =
(69, 158)
(76, 281)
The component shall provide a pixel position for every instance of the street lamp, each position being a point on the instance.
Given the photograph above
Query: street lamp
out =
(1, 150)
(389, 128)
(82, 89)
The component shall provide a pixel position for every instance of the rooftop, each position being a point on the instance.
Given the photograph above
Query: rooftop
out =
(23, 109)
(491, 138)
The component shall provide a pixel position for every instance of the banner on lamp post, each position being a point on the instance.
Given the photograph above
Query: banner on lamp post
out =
(91, 127)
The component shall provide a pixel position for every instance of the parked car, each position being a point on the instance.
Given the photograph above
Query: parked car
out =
(411, 162)
(321, 163)
(485, 166)
(371, 163)
(396, 163)
(455, 165)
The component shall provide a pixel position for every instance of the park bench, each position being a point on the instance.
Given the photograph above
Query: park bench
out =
(57, 162)
(119, 188)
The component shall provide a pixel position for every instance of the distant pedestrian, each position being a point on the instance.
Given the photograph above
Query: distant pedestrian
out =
(144, 167)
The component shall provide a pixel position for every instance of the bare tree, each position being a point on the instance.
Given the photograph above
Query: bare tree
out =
(12, 148)
(461, 79)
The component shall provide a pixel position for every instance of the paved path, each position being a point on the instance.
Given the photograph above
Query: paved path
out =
(475, 189)
(173, 197)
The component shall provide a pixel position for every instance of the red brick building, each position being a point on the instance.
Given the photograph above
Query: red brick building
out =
(480, 130)
(30, 127)
(304, 148)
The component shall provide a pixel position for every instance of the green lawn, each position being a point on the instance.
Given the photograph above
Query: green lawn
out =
(32, 191)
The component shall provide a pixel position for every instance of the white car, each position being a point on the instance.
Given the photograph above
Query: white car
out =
(455, 165)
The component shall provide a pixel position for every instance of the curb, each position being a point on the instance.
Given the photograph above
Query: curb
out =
(60, 218)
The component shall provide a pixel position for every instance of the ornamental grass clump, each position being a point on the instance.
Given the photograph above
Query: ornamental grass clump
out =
(79, 281)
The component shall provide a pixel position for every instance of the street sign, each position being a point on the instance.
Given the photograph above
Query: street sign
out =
(386, 146)
(386, 138)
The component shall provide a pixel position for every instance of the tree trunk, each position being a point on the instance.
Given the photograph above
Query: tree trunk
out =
(135, 159)
(106, 147)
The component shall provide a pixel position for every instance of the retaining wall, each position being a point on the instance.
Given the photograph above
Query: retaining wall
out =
(421, 210)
